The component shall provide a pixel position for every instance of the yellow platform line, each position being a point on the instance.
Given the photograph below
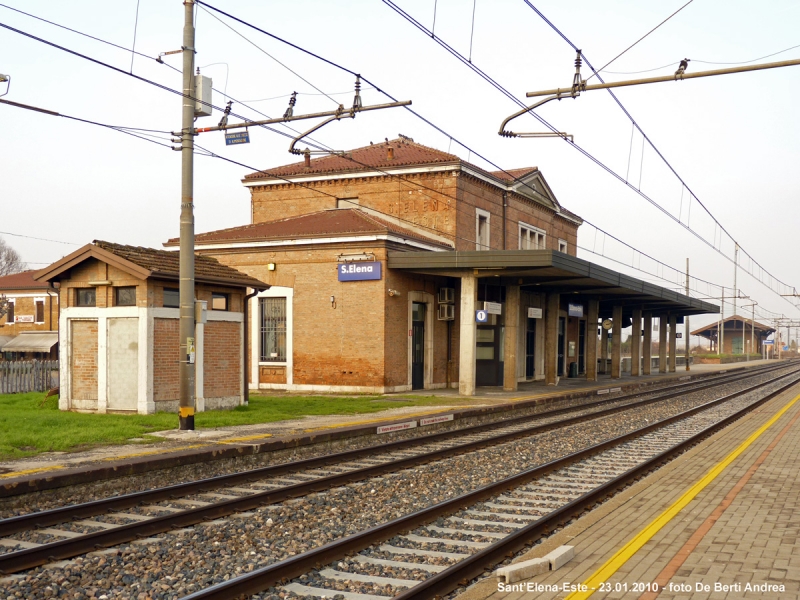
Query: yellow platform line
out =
(30, 471)
(625, 553)
(246, 438)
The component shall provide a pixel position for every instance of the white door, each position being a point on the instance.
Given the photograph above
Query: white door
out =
(123, 363)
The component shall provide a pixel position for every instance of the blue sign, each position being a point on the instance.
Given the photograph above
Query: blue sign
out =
(481, 316)
(768, 342)
(239, 137)
(575, 310)
(359, 271)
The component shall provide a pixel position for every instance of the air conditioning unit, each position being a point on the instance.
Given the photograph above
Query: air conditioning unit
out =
(447, 312)
(447, 295)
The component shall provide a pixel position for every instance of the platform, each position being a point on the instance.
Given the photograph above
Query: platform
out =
(718, 522)
(188, 447)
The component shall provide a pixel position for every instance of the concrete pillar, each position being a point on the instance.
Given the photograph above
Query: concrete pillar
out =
(662, 343)
(591, 339)
(647, 343)
(466, 351)
(551, 339)
(616, 343)
(604, 336)
(511, 339)
(673, 336)
(636, 343)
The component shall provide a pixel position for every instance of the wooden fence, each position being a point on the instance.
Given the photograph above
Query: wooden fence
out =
(28, 376)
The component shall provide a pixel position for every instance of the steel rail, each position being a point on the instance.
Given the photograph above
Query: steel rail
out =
(55, 516)
(261, 579)
(13, 562)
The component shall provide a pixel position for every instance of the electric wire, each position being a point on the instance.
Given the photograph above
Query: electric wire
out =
(675, 173)
(209, 153)
(30, 237)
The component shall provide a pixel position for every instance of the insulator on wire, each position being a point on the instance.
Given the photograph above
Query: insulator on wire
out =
(292, 101)
(357, 100)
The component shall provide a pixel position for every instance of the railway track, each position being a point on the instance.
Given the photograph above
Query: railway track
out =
(432, 551)
(295, 480)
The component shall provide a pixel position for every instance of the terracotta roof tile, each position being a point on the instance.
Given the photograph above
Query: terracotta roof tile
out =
(512, 174)
(328, 223)
(405, 153)
(22, 281)
(166, 264)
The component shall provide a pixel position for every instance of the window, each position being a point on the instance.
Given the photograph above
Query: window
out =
(125, 296)
(172, 298)
(85, 297)
(481, 229)
(562, 246)
(531, 238)
(39, 304)
(219, 301)
(10, 313)
(273, 329)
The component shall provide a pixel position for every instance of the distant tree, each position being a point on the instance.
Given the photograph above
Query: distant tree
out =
(10, 261)
(3, 306)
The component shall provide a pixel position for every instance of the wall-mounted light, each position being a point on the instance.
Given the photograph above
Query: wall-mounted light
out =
(270, 266)
(393, 292)
(333, 301)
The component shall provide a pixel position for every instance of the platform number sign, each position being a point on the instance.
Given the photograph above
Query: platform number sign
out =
(481, 316)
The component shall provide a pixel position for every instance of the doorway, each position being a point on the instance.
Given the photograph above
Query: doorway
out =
(530, 346)
(417, 345)
(562, 325)
(582, 347)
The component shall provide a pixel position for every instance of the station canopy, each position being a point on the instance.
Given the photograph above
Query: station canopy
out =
(549, 271)
(32, 341)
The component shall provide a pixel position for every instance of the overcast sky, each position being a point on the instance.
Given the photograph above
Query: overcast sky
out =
(732, 139)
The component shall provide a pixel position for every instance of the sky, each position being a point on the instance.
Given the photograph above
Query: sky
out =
(730, 142)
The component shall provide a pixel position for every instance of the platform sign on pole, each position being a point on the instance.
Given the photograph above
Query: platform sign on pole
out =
(237, 137)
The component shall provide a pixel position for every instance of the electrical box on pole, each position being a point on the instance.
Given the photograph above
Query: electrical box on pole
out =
(202, 94)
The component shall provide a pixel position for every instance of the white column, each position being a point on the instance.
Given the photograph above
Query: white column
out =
(466, 354)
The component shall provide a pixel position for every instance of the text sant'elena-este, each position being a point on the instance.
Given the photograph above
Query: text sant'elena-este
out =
(566, 586)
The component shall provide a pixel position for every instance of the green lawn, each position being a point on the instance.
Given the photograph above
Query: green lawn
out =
(29, 427)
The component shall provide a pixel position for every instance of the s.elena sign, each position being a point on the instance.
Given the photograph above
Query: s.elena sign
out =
(359, 271)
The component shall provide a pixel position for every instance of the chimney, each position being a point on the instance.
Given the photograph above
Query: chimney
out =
(389, 153)
(307, 156)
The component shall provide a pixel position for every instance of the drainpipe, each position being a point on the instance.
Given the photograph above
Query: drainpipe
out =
(505, 198)
(246, 339)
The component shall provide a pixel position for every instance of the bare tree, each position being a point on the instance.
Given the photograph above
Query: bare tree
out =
(3, 306)
(10, 261)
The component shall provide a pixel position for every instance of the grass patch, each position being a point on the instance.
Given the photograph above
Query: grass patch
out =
(29, 426)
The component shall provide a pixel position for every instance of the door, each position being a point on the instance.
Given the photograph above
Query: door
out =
(530, 345)
(417, 345)
(123, 364)
(561, 332)
(736, 345)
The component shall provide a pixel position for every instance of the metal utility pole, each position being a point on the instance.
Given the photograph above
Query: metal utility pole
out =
(186, 273)
(722, 324)
(735, 293)
(752, 329)
(686, 319)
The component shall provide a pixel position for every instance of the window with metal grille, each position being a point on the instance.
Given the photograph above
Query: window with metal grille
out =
(273, 329)
(85, 297)
(125, 296)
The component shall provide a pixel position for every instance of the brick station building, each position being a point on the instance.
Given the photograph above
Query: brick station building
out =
(380, 258)
(119, 348)
(30, 327)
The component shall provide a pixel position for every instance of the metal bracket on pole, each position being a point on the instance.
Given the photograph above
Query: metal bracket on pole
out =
(578, 85)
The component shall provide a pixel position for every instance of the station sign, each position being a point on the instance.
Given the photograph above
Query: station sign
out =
(768, 342)
(359, 271)
(237, 137)
(481, 316)
(534, 313)
(575, 310)
(493, 308)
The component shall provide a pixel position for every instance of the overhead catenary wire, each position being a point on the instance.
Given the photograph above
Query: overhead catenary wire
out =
(692, 195)
(451, 137)
(492, 82)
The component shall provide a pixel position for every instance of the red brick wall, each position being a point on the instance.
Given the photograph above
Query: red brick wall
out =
(222, 359)
(166, 354)
(84, 360)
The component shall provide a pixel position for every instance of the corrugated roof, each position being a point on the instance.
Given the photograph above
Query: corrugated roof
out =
(165, 263)
(32, 341)
(328, 223)
(22, 281)
(374, 156)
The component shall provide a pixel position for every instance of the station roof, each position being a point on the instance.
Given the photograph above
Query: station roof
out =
(710, 331)
(551, 271)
